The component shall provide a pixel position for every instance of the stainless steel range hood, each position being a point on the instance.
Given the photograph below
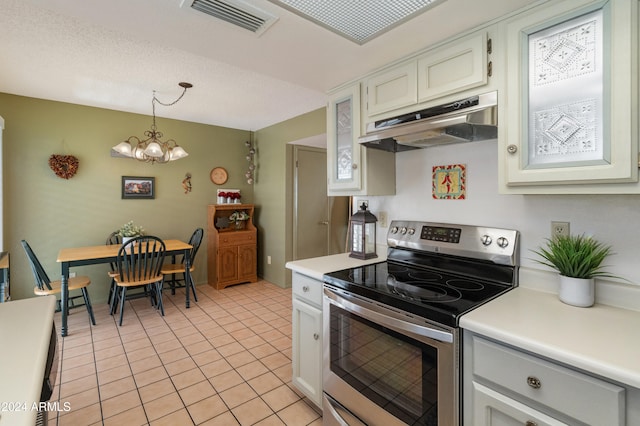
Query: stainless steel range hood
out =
(467, 120)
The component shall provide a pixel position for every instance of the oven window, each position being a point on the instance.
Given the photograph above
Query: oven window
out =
(394, 371)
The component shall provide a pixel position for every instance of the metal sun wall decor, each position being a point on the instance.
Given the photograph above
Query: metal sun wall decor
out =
(449, 182)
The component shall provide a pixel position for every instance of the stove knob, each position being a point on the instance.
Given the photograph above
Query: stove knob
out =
(486, 240)
(502, 242)
(394, 230)
(412, 231)
(403, 230)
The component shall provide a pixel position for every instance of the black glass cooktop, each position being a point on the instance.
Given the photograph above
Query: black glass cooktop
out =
(434, 293)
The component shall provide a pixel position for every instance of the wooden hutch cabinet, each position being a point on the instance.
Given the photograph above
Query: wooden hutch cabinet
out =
(231, 246)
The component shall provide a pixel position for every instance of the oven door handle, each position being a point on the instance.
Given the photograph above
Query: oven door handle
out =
(416, 331)
(338, 413)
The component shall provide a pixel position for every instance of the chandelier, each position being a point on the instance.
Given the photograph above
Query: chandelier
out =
(153, 149)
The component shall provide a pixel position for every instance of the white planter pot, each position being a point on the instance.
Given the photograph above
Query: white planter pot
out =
(125, 240)
(577, 291)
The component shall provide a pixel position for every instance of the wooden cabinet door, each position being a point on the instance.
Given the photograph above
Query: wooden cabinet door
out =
(343, 130)
(392, 89)
(584, 141)
(307, 350)
(495, 409)
(454, 67)
(227, 264)
(247, 261)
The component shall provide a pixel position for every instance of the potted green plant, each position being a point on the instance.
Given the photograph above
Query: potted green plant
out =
(129, 231)
(578, 259)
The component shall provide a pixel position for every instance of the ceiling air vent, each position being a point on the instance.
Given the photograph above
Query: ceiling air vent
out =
(236, 12)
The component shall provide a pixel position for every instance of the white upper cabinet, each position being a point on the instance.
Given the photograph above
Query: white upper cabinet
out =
(569, 117)
(352, 169)
(454, 67)
(450, 68)
(343, 130)
(392, 89)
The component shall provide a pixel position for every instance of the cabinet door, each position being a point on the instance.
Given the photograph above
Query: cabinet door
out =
(454, 67)
(392, 89)
(227, 264)
(571, 106)
(247, 261)
(343, 150)
(495, 409)
(306, 353)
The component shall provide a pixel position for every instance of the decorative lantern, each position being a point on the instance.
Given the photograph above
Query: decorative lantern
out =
(363, 234)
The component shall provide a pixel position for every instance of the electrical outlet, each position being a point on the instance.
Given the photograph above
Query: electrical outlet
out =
(559, 228)
(72, 274)
(268, 260)
(382, 219)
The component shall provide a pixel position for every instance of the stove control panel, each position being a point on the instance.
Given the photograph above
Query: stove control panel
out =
(440, 233)
(495, 244)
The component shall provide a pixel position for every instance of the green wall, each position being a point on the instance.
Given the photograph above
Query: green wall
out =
(51, 213)
(274, 191)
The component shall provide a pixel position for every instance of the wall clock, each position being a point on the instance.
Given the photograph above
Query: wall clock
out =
(219, 175)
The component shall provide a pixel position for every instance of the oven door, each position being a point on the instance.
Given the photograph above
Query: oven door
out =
(384, 367)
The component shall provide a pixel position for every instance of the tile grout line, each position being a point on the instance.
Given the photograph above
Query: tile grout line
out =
(231, 305)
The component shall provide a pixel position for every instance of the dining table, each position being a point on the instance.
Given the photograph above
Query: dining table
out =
(94, 255)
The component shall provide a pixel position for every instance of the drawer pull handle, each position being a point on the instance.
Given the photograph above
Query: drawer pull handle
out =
(534, 382)
(316, 336)
(305, 288)
(530, 423)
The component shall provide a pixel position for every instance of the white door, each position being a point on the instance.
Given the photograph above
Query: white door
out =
(320, 222)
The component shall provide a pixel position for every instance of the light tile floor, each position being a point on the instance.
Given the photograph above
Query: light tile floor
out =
(224, 361)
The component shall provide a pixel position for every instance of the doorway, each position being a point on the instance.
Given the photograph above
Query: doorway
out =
(320, 222)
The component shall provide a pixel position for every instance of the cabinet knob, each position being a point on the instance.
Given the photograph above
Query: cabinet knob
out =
(534, 382)
(316, 336)
(530, 423)
(512, 149)
(305, 288)
(354, 166)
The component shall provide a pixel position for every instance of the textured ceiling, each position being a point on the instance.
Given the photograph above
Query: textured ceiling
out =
(113, 54)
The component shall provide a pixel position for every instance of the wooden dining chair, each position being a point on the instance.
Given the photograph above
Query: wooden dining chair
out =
(44, 286)
(139, 264)
(177, 270)
(113, 239)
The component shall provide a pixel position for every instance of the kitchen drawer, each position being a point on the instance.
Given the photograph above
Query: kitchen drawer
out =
(493, 408)
(236, 238)
(307, 289)
(559, 388)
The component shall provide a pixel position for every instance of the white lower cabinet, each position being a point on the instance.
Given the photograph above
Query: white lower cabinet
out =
(506, 386)
(496, 409)
(306, 337)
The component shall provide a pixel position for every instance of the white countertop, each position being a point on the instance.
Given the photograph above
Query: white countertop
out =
(318, 266)
(602, 339)
(25, 331)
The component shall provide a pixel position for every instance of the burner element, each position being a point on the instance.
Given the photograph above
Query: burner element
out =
(423, 292)
(425, 276)
(467, 285)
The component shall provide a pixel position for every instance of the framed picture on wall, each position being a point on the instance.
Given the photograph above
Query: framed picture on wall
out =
(137, 187)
